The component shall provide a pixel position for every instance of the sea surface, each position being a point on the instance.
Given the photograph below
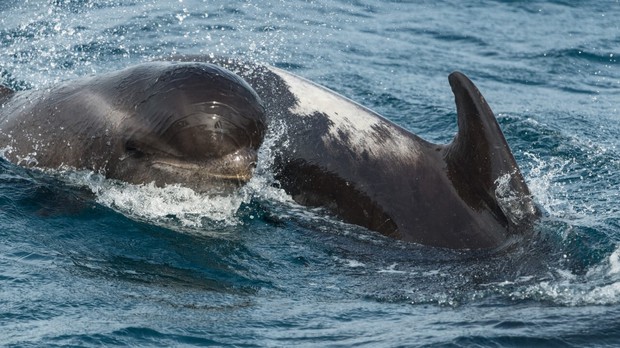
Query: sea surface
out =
(88, 262)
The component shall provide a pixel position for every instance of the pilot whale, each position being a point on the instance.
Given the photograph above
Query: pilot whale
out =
(194, 124)
(368, 171)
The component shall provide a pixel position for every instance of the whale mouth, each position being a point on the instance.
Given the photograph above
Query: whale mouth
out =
(236, 167)
(244, 176)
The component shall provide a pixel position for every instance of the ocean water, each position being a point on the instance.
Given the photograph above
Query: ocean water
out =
(86, 261)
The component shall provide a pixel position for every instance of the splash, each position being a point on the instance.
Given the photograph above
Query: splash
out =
(515, 207)
(54, 44)
(599, 286)
(543, 182)
(181, 206)
(159, 205)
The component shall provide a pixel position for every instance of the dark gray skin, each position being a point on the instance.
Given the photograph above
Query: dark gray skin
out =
(192, 124)
(153, 123)
(336, 154)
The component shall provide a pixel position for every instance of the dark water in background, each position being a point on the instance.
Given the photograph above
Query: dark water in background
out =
(147, 266)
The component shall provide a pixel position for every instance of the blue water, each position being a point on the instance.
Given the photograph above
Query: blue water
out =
(89, 262)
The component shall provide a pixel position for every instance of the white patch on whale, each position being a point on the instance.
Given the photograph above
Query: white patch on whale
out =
(361, 126)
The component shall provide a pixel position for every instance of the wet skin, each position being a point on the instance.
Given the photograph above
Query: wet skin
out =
(368, 171)
(193, 124)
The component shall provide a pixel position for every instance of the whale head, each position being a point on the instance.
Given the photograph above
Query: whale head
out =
(192, 124)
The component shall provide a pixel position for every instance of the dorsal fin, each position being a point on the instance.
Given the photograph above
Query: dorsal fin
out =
(5, 93)
(480, 163)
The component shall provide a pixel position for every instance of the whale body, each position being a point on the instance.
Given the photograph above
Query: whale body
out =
(199, 121)
(337, 154)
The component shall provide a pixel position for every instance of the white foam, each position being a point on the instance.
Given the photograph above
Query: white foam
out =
(614, 262)
(599, 286)
(181, 206)
(511, 204)
(355, 264)
(391, 269)
(350, 262)
(159, 204)
(543, 183)
(5, 150)
(572, 294)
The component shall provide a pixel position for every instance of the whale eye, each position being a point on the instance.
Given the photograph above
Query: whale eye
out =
(132, 149)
